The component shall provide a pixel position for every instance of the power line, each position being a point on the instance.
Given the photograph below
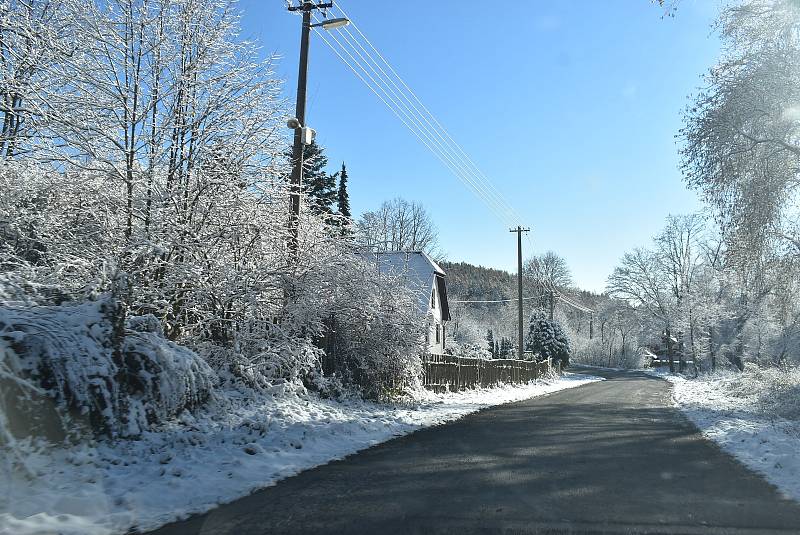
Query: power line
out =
(426, 125)
(496, 300)
(418, 123)
(563, 299)
(424, 137)
(412, 121)
(441, 129)
(513, 300)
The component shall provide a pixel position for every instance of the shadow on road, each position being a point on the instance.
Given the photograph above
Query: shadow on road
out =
(610, 456)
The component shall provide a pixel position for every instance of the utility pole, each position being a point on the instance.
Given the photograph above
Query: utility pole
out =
(519, 230)
(296, 179)
(591, 326)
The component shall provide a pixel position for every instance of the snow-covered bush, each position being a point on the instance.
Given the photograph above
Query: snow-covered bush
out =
(467, 350)
(547, 340)
(593, 352)
(374, 335)
(773, 391)
(609, 352)
(70, 372)
(276, 358)
(180, 213)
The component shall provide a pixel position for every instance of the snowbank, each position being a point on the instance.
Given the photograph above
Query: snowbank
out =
(65, 355)
(745, 413)
(237, 444)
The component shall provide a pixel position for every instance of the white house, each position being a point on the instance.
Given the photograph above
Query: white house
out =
(426, 279)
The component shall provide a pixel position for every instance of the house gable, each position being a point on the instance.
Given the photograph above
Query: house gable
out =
(426, 280)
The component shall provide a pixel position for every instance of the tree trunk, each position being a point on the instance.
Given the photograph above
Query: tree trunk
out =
(670, 356)
(711, 348)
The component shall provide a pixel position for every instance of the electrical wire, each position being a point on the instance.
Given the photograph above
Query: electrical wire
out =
(496, 300)
(414, 124)
(465, 174)
(416, 98)
(449, 153)
(437, 129)
(564, 299)
(443, 156)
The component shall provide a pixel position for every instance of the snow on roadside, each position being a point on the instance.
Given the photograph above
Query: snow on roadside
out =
(593, 367)
(767, 445)
(219, 456)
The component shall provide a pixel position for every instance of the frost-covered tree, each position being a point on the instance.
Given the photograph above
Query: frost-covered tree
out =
(543, 274)
(548, 270)
(742, 151)
(35, 36)
(398, 225)
(547, 339)
(320, 186)
(742, 133)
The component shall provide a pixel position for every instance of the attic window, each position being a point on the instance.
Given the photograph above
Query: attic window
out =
(433, 298)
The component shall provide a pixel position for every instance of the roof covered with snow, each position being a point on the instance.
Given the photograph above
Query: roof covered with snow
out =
(416, 267)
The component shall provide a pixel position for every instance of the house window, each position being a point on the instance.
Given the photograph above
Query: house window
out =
(433, 298)
(438, 333)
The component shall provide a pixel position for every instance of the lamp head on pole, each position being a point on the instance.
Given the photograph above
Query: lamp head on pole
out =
(332, 24)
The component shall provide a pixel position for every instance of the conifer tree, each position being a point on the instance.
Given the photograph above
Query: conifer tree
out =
(547, 339)
(490, 342)
(318, 183)
(343, 198)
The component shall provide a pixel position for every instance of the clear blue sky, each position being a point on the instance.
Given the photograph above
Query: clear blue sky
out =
(570, 107)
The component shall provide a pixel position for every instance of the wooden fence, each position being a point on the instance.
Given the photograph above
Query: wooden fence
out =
(446, 372)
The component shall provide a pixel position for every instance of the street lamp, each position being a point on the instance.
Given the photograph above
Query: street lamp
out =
(332, 24)
(301, 132)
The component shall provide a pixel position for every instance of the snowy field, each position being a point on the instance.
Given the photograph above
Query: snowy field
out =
(752, 416)
(223, 454)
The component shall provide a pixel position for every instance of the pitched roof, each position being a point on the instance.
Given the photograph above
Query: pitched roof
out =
(416, 267)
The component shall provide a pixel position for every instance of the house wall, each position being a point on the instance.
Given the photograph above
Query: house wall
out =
(434, 319)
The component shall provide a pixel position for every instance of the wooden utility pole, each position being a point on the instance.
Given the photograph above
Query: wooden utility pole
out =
(296, 180)
(520, 339)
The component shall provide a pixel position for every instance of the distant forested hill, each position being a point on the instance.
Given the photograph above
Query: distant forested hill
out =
(468, 282)
(471, 321)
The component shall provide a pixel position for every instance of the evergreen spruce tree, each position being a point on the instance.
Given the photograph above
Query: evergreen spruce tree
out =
(490, 342)
(345, 220)
(318, 183)
(505, 347)
(343, 198)
(547, 339)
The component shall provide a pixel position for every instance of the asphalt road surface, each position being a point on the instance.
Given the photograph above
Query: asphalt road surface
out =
(608, 457)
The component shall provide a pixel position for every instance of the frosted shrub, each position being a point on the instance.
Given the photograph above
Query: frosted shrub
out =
(467, 350)
(374, 335)
(590, 352)
(547, 339)
(774, 390)
(67, 356)
(260, 365)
